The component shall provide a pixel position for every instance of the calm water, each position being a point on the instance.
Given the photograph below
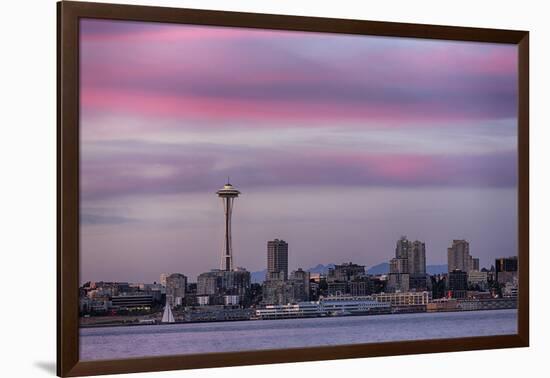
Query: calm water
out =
(154, 340)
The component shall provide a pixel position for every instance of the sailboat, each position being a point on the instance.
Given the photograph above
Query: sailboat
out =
(168, 317)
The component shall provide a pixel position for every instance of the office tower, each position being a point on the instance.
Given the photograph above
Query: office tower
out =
(228, 194)
(459, 258)
(277, 260)
(417, 258)
(408, 267)
(402, 248)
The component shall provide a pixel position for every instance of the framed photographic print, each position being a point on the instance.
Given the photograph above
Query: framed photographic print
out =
(239, 188)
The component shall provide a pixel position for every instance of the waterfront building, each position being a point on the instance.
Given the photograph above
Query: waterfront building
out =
(506, 269)
(288, 311)
(329, 306)
(459, 258)
(277, 260)
(404, 299)
(228, 194)
(353, 305)
(442, 305)
(486, 304)
(470, 294)
(176, 285)
(216, 313)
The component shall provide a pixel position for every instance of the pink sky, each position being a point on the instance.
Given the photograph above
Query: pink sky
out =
(169, 111)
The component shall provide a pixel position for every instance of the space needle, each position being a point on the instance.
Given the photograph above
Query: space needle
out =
(228, 193)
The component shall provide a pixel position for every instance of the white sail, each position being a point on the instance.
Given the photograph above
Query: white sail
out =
(168, 317)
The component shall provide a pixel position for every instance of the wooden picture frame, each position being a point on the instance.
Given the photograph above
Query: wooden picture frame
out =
(68, 197)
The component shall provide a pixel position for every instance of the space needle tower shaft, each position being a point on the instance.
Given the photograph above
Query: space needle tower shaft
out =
(228, 194)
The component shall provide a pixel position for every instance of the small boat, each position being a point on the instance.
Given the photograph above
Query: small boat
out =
(168, 317)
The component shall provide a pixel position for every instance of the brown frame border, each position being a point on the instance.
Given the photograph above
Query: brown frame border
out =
(68, 15)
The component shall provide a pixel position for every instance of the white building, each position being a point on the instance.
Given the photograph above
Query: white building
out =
(404, 299)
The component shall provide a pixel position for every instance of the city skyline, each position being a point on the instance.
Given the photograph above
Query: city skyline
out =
(336, 141)
(272, 267)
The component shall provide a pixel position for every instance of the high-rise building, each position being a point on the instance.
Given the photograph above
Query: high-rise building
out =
(228, 193)
(459, 258)
(277, 260)
(417, 258)
(408, 267)
(176, 284)
(417, 266)
(402, 248)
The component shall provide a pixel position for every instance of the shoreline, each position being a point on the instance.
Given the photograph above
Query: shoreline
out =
(138, 324)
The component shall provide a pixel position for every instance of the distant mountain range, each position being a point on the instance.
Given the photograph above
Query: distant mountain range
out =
(382, 268)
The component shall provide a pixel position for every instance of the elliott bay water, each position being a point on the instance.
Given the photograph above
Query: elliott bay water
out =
(163, 340)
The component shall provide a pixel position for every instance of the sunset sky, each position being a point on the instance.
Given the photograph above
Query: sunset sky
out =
(340, 144)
